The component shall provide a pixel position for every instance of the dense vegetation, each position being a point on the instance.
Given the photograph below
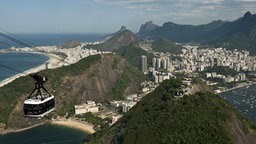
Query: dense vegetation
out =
(90, 118)
(223, 70)
(158, 118)
(124, 81)
(164, 45)
(132, 54)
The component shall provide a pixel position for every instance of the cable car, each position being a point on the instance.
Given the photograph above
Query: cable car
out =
(39, 104)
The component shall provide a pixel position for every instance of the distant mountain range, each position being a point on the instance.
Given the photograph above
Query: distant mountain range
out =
(238, 34)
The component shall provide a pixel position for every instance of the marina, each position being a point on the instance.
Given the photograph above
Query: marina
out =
(243, 100)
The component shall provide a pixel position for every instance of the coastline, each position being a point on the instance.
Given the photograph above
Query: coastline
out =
(238, 86)
(52, 61)
(74, 124)
(83, 126)
(8, 131)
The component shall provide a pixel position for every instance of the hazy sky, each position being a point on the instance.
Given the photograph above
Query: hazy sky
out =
(101, 16)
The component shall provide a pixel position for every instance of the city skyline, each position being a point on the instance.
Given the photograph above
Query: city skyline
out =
(107, 16)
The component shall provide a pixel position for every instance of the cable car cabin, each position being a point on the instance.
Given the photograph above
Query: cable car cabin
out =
(39, 105)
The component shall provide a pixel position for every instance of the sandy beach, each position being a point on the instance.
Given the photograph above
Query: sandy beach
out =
(88, 128)
(52, 62)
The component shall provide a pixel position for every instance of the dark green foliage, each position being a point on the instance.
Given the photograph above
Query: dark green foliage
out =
(132, 54)
(223, 70)
(124, 81)
(164, 45)
(89, 117)
(9, 94)
(199, 118)
(120, 86)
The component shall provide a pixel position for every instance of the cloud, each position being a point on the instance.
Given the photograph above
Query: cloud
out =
(247, 1)
(184, 11)
(212, 1)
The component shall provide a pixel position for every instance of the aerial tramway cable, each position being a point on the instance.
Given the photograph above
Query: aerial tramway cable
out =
(15, 40)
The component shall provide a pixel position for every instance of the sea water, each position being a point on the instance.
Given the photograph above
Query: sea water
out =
(14, 63)
(45, 134)
(243, 100)
(48, 39)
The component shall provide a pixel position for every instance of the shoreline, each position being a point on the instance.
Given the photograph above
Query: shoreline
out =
(8, 131)
(52, 61)
(70, 123)
(238, 86)
(83, 126)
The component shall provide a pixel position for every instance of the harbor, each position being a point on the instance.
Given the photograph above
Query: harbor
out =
(243, 99)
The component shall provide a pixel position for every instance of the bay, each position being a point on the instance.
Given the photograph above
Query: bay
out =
(243, 100)
(45, 134)
(19, 62)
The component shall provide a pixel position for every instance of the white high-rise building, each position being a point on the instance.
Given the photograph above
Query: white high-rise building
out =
(143, 63)
(164, 64)
(154, 62)
(158, 63)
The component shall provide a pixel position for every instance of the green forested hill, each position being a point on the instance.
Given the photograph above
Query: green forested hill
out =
(158, 118)
(98, 77)
(132, 54)
(165, 45)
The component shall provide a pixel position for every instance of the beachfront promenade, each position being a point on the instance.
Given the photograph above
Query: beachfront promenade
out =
(58, 57)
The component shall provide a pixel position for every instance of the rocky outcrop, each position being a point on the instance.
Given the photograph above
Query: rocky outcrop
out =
(148, 26)
(122, 38)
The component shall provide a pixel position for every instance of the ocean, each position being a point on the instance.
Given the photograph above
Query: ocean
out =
(49, 39)
(19, 62)
(45, 134)
(243, 100)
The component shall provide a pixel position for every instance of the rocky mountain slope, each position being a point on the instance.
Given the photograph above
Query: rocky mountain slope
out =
(93, 78)
(119, 39)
